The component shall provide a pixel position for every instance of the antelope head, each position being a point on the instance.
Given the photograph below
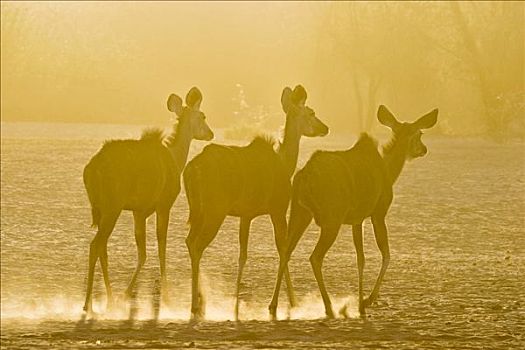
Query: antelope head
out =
(409, 133)
(191, 115)
(300, 115)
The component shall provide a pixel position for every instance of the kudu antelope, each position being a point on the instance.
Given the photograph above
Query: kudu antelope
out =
(142, 176)
(245, 182)
(346, 187)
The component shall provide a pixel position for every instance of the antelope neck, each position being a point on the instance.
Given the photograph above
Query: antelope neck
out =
(289, 148)
(394, 155)
(180, 145)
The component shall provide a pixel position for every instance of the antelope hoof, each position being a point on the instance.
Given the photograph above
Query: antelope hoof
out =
(273, 312)
(289, 313)
(330, 314)
(367, 302)
(88, 308)
(128, 294)
(362, 310)
(236, 316)
(199, 316)
(89, 313)
(344, 311)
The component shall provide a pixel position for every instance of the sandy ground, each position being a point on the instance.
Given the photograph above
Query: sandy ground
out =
(456, 277)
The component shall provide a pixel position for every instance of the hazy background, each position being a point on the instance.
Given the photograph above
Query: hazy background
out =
(117, 62)
(84, 72)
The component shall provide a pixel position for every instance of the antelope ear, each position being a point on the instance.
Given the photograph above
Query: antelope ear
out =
(427, 121)
(194, 98)
(299, 95)
(286, 99)
(386, 118)
(175, 104)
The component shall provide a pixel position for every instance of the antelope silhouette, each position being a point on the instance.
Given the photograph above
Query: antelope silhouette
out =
(245, 182)
(346, 187)
(142, 176)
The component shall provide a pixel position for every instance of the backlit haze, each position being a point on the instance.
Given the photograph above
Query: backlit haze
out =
(117, 62)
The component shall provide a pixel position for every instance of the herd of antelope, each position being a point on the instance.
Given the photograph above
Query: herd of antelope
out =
(333, 188)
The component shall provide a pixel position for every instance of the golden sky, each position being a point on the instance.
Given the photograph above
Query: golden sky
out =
(116, 62)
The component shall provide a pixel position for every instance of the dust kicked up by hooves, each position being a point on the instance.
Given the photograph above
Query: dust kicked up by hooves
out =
(68, 308)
